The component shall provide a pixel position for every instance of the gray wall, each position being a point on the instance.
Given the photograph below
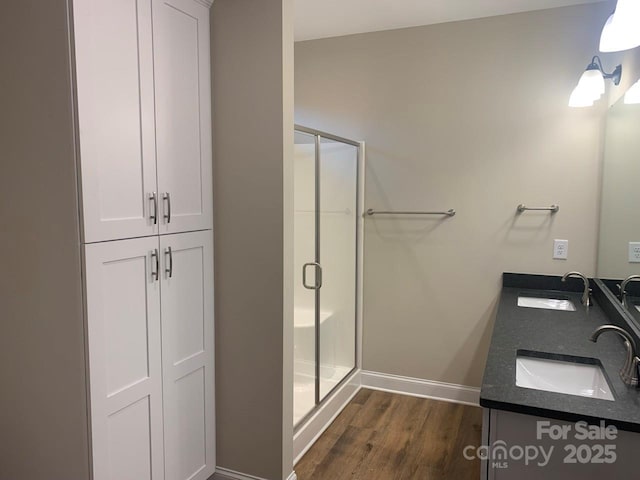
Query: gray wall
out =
(473, 116)
(252, 58)
(43, 405)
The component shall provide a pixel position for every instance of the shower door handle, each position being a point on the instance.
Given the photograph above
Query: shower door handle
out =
(318, 282)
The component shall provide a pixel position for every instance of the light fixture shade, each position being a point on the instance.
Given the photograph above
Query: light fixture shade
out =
(591, 84)
(622, 29)
(608, 38)
(633, 94)
(589, 89)
(580, 98)
(592, 81)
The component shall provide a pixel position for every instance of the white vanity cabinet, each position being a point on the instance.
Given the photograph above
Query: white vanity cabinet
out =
(144, 116)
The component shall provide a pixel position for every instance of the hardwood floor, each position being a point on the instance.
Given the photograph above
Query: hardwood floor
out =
(385, 436)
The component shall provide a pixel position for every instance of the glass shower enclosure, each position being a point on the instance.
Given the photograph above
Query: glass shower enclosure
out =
(325, 265)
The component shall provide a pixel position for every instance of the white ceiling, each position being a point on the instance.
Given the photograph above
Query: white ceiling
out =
(332, 18)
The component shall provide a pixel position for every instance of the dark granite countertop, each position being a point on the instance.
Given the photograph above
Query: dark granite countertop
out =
(555, 333)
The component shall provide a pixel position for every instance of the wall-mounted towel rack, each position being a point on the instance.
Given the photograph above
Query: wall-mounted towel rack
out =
(553, 208)
(448, 213)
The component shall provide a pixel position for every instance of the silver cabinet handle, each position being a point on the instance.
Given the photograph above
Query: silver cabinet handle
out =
(318, 282)
(154, 201)
(155, 272)
(167, 212)
(169, 269)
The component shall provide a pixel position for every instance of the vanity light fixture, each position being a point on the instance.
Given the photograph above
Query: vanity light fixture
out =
(633, 94)
(591, 84)
(622, 29)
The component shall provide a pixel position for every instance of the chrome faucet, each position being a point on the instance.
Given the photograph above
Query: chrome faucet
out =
(623, 288)
(586, 295)
(629, 371)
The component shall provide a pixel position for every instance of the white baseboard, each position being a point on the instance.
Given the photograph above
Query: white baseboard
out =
(226, 474)
(315, 426)
(448, 392)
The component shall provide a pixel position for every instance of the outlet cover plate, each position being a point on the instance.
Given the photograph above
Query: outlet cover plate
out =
(634, 252)
(560, 249)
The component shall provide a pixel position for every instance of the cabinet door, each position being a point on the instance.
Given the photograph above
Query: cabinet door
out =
(187, 355)
(114, 70)
(123, 329)
(183, 114)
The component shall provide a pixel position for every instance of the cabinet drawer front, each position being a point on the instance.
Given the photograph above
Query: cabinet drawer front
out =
(183, 114)
(188, 355)
(114, 71)
(123, 330)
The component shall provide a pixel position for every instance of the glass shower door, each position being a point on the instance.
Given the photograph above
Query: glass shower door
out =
(337, 226)
(325, 266)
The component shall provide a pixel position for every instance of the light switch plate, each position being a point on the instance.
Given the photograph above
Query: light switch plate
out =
(561, 249)
(634, 252)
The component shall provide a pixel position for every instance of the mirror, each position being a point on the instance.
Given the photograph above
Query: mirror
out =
(619, 242)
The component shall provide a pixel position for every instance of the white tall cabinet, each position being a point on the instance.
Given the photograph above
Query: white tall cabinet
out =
(143, 92)
(144, 96)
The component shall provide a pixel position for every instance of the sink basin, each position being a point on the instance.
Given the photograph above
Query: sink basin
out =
(546, 303)
(563, 376)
